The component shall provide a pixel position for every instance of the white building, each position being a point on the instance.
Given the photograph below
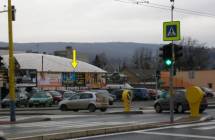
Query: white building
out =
(56, 72)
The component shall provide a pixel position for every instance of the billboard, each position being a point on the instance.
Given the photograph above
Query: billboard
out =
(49, 79)
(73, 79)
(26, 77)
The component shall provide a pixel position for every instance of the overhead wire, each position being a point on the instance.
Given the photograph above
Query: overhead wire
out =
(165, 7)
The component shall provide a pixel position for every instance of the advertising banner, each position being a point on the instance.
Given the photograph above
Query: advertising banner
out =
(26, 78)
(49, 79)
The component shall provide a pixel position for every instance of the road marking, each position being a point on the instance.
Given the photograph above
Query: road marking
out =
(179, 135)
(192, 125)
(205, 128)
(180, 126)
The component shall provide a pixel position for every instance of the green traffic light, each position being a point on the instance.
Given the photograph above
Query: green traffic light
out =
(168, 62)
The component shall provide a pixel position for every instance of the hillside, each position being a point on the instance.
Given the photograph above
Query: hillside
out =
(113, 50)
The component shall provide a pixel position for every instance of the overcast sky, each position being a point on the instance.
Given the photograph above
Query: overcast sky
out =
(103, 21)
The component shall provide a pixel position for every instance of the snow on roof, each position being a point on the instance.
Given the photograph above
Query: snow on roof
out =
(51, 63)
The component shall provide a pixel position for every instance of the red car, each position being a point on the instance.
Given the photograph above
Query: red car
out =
(57, 97)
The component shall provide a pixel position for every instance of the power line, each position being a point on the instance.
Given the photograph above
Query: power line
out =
(165, 7)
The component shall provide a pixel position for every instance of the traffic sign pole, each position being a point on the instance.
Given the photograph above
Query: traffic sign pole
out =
(171, 75)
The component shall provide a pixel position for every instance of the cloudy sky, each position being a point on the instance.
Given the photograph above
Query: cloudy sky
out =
(104, 20)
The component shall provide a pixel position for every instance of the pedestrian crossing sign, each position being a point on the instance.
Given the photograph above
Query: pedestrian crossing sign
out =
(171, 31)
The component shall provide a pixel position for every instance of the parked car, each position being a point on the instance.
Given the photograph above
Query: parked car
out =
(209, 92)
(118, 94)
(31, 91)
(21, 99)
(57, 97)
(68, 94)
(180, 102)
(104, 92)
(85, 101)
(2, 137)
(140, 94)
(152, 93)
(42, 98)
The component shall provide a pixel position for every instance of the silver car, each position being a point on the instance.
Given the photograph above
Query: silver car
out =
(85, 101)
(110, 97)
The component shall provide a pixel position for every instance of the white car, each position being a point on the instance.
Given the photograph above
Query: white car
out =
(85, 101)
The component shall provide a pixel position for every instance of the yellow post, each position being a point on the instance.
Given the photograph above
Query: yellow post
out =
(194, 97)
(11, 65)
(126, 101)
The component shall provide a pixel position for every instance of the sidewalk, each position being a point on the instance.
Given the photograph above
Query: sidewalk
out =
(6, 120)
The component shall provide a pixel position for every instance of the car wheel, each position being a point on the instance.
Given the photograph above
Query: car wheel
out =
(180, 108)
(158, 108)
(63, 108)
(92, 108)
(103, 109)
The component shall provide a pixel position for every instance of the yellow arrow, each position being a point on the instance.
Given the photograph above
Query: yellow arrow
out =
(74, 60)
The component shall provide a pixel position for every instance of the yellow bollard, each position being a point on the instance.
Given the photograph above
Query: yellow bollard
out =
(126, 101)
(194, 97)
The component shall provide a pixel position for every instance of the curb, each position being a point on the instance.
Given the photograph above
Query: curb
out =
(106, 130)
(27, 113)
(130, 112)
(30, 109)
(29, 120)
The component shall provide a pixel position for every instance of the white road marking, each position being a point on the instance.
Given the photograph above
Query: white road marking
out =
(193, 125)
(179, 135)
(205, 128)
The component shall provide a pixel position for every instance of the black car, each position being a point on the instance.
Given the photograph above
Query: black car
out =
(180, 102)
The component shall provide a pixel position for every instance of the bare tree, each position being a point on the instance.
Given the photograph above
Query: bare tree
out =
(195, 55)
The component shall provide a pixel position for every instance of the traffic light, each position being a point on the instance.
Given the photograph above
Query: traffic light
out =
(178, 52)
(1, 62)
(13, 13)
(166, 54)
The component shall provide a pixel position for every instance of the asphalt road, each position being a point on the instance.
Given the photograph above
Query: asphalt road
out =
(63, 123)
(199, 131)
(69, 120)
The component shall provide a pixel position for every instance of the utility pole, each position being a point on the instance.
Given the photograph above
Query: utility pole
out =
(171, 73)
(11, 66)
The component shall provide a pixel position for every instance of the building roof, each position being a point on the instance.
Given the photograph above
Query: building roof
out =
(51, 63)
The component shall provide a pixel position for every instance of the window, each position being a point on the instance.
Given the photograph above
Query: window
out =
(75, 97)
(86, 96)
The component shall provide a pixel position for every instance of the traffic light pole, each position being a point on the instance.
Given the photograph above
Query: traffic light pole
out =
(11, 66)
(171, 75)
